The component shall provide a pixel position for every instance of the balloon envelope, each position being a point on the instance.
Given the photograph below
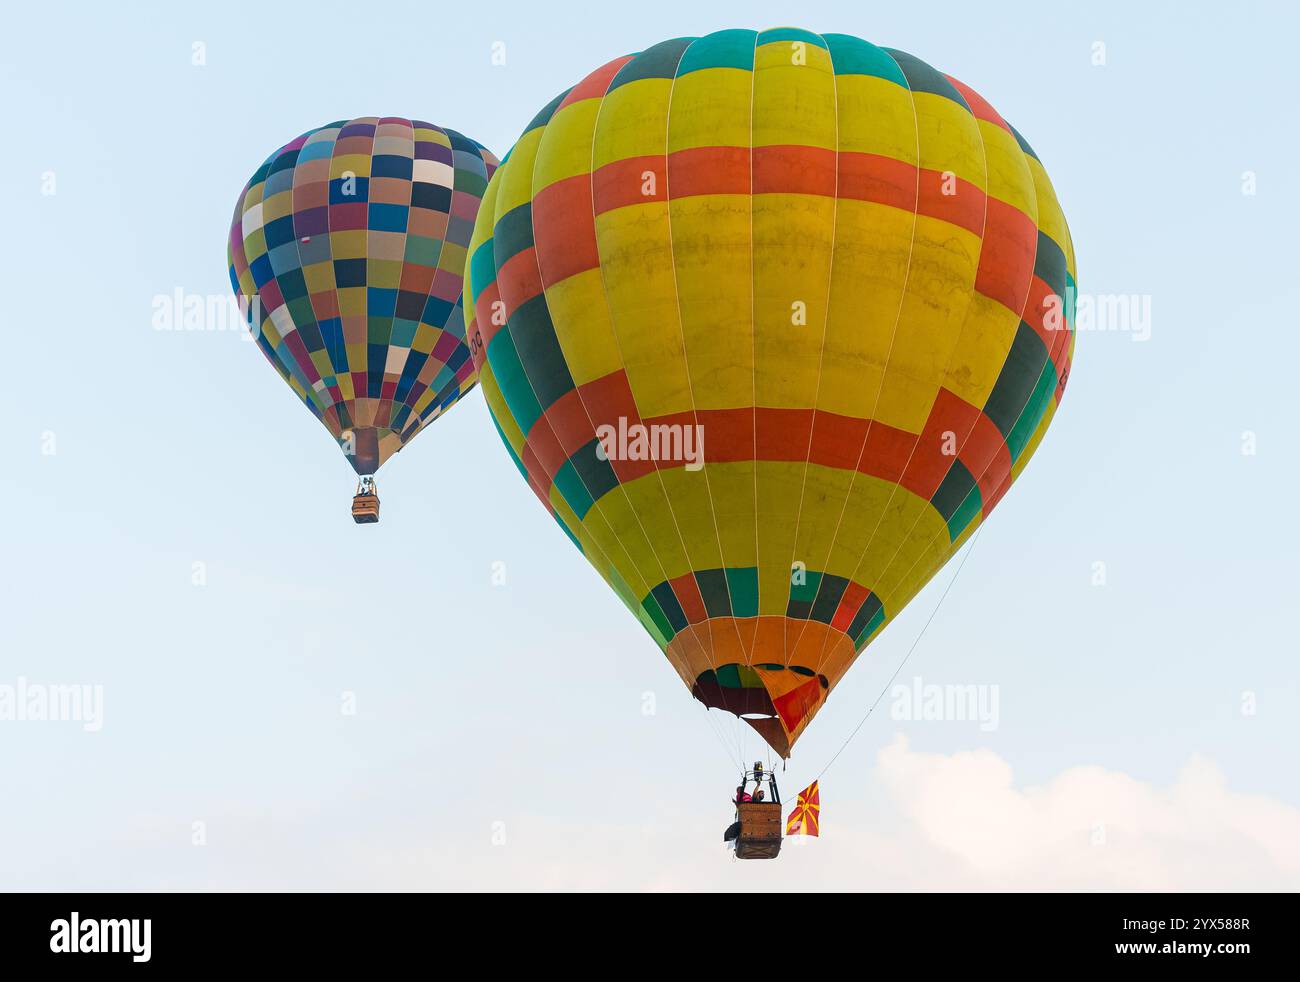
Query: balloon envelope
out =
(351, 241)
(770, 322)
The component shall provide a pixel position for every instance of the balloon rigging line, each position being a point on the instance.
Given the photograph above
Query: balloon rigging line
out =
(924, 628)
(731, 754)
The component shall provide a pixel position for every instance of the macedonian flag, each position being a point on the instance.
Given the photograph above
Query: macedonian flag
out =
(806, 817)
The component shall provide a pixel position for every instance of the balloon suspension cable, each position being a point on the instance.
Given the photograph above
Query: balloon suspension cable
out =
(728, 751)
(925, 627)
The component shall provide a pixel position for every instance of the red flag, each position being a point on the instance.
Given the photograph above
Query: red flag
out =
(806, 817)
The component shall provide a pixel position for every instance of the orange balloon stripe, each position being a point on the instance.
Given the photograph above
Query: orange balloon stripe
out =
(782, 436)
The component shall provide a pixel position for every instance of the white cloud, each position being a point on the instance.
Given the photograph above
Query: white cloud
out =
(929, 822)
(1091, 828)
(916, 821)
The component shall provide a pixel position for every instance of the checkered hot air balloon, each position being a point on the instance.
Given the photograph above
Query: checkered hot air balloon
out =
(351, 240)
(825, 271)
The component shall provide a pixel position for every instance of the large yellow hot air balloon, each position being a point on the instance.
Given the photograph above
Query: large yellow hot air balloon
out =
(770, 322)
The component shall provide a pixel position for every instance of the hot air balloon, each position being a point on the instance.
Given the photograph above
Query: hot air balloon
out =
(770, 322)
(349, 244)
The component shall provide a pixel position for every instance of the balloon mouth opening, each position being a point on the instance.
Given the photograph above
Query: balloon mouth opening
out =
(361, 447)
(741, 691)
(776, 700)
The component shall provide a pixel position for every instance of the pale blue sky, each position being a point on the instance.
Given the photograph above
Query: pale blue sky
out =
(522, 704)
